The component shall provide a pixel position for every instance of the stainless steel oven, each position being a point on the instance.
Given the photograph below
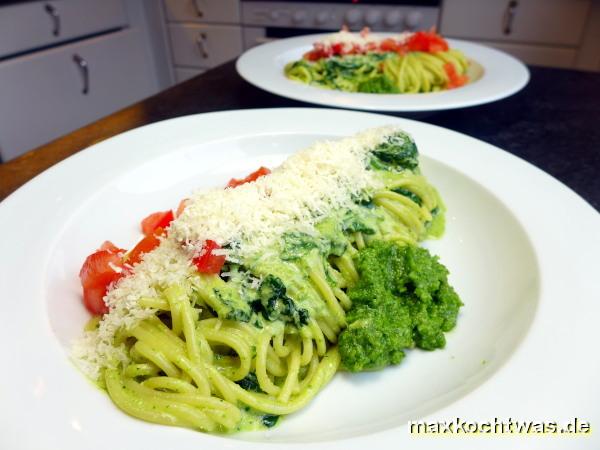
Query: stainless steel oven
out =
(263, 21)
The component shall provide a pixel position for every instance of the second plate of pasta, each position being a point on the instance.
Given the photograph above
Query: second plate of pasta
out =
(278, 67)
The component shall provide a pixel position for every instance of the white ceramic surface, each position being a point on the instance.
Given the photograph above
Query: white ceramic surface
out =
(521, 247)
(502, 76)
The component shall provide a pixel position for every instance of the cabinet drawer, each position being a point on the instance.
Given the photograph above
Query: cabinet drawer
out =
(204, 46)
(531, 21)
(37, 24)
(42, 93)
(210, 11)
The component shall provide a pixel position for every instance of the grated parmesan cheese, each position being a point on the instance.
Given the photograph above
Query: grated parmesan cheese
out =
(304, 189)
(250, 218)
(362, 39)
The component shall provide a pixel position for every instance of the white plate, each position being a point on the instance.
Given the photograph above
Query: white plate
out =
(502, 76)
(522, 249)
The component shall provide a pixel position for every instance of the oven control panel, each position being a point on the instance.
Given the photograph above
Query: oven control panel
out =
(332, 16)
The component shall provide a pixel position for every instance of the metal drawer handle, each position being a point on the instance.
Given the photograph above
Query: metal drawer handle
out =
(50, 9)
(509, 15)
(199, 12)
(85, 72)
(201, 43)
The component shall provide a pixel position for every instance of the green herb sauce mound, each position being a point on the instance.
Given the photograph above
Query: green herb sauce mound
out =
(402, 300)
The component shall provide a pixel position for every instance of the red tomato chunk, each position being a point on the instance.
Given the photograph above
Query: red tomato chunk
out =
(454, 79)
(99, 270)
(207, 261)
(146, 245)
(427, 41)
(261, 172)
(160, 219)
(109, 246)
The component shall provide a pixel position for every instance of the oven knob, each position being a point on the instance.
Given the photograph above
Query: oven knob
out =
(413, 19)
(393, 18)
(322, 17)
(353, 16)
(299, 16)
(372, 17)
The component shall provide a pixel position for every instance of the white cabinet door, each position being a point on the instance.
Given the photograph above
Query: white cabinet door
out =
(546, 22)
(37, 24)
(42, 94)
(220, 11)
(204, 46)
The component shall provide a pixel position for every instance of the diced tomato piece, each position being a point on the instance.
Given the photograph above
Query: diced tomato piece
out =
(261, 172)
(160, 219)
(99, 270)
(454, 79)
(146, 245)
(371, 47)
(317, 52)
(450, 70)
(427, 41)
(389, 45)
(435, 47)
(313, 55)
(182, 204)
(207, 262)
(355, 50)
(337, 48)
(93, 299)
(110, 247)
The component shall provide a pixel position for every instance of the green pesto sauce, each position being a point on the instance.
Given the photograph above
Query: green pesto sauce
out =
(93, 323)
(401, 301)
(437, 225)
(253, 420)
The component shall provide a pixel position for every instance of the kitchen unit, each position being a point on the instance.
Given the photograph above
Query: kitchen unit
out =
(66, 63)
(206, 33)
(202, 34)
(554, 33)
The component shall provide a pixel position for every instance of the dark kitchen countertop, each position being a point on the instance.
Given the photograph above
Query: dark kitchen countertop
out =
(554, 123)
